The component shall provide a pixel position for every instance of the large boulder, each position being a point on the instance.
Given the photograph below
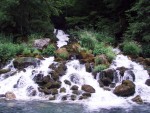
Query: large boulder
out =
(23, 62)
(10, 95)
(2, 71)
(41, 43)
(88, 88)
(127, 88)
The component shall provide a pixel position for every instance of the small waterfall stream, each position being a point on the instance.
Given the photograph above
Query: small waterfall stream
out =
(77, 75)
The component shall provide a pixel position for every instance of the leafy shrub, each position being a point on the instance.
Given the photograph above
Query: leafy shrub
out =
(7, 51)
(27, 52)
(100, 67)
(101, 37)
(49, 51)
(36, 52)
(63, 55)
(87, 39)
(97, 60)
(100, 49)
(131, 48)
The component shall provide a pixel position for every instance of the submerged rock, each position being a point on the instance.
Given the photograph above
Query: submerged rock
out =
(63, 90)
(67, 82)
(127, 88)
(74, 87)
(2, 71)
(147, 82)
(88, 88)
(137, 99)
(10, 95)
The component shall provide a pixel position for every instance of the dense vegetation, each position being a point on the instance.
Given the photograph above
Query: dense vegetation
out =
(110, 22)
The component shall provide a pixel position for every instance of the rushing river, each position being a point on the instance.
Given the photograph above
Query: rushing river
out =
(47, 107)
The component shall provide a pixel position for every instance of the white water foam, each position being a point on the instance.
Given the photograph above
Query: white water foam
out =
(24, 81)
(62, 38)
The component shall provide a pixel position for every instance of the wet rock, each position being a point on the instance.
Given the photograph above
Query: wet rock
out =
(31, 91)
(64, 97)
(88, 88)
(67, 82)
(52, 84)
(147, 82)
(23, 62)
(82, 97)
(100, 83)
(88, 67)
(121, 70)
(74, 87)
(137, 99)
(46, 79)
(127, 88)
(77, 92)
(39, 79)
(112, 85)
(54, 75)
(2, 95)
(54, 91)
(2, 71)
(106, 81)
(63, 90)
(10, 95)
(73, 97)
(108, 73)
(147, 61)
(41, 43)
(86, 94)
(52, 98)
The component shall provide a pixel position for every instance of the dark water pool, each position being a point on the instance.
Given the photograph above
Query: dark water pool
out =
(47, 107)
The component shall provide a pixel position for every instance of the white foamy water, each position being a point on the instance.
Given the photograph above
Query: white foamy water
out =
(62, 38)
(24, 81)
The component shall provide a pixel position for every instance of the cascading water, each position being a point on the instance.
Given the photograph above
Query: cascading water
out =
(22, 82)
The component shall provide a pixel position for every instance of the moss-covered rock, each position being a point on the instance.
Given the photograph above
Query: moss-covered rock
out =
(2, 71)
(127, 88)
(137, 99)
(88, 88)
(23, 62)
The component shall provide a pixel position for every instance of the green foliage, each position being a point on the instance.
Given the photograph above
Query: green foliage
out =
(97, 60)
(9, 50)
(63, 56)
(27, 52)
(101, 48)
(103, 37)
(138, 17)
(131, 48)
(100, 67)
(36, 52)
(87, 39)
(49, 51)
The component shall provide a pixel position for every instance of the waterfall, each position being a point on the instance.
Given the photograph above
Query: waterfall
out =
(24, 87)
